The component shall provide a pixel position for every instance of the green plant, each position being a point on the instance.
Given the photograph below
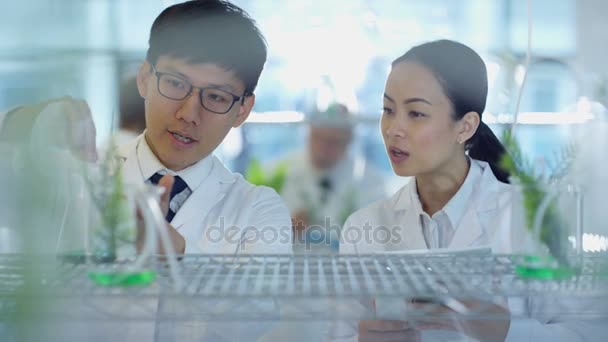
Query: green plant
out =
(116, 224)
(256, 174)
(534, 190)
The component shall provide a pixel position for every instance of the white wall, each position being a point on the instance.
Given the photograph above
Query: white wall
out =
(592, 40)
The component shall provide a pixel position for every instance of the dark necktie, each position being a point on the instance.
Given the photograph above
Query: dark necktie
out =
(325, 184)
(178, 196)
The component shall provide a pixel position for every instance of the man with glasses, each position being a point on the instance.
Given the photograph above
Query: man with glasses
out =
(202, 66)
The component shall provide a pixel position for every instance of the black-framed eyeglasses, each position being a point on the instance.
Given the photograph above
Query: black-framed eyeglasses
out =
(213, 99)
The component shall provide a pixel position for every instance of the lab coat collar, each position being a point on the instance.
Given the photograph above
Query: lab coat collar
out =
(149, 165)
(483, 201)
(456, 206)
(127, 153)
(213, 188)
(483, 179)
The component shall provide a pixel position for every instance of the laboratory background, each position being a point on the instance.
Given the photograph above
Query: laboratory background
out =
(321, 53)
(546, 61)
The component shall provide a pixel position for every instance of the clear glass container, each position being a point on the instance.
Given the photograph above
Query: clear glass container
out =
(547, 229)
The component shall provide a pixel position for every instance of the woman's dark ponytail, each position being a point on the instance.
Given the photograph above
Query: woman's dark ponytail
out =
(484, 145)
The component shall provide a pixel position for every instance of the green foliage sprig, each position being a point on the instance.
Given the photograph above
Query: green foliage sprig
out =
(256, 174)
(534, 189)
(108, 193)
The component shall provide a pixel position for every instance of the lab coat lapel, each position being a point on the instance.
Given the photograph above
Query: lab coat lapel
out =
(483, 206)
(210, 192)
(469, 231)
(199, 203)
(411, 236)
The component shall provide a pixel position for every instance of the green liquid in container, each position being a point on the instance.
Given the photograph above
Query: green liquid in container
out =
(534, 267)
(124, 279)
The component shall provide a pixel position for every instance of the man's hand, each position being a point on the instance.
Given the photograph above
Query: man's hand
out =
(64, 122)
(300, 220)
(299, 223)
(176, 239)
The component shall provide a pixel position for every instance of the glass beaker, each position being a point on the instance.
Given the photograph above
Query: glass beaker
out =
(547, 229)
(112, 255)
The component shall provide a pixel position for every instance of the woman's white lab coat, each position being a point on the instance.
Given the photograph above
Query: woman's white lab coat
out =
(486, 220)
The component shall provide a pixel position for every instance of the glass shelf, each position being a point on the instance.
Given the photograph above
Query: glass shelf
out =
(296, 287)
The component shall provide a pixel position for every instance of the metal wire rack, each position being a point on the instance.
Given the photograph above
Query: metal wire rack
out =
(218, 286)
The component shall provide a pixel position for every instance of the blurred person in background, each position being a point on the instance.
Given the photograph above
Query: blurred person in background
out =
(325, 183)
(131, 113)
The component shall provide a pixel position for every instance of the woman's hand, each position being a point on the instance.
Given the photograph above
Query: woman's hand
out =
(385, 331)
(488, 329)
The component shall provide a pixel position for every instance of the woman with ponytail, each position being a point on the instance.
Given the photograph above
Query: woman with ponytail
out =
(458, 197)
